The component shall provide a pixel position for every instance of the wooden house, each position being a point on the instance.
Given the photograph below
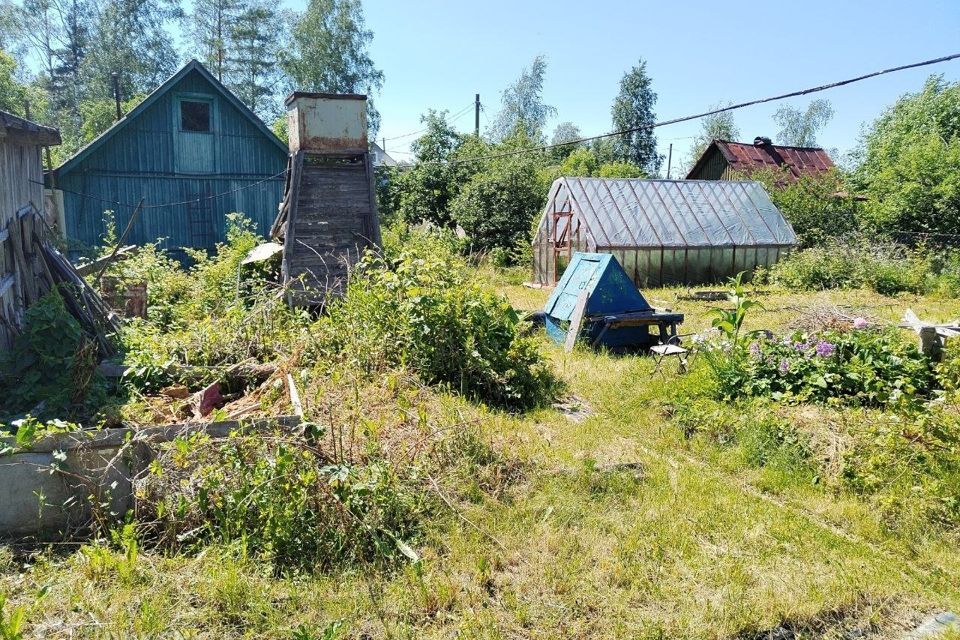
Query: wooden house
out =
(192, 151)
(21, 190)
(726, 160)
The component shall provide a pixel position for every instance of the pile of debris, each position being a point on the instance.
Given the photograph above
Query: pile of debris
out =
(30, 266)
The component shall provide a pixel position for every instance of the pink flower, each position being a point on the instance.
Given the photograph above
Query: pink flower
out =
(860, 323)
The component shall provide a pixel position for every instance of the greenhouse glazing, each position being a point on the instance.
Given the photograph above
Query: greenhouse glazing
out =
(662, 232)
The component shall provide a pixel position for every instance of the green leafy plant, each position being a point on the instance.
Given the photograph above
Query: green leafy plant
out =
(730, 321)
(869, 367)
(420, 310)
(51, 369)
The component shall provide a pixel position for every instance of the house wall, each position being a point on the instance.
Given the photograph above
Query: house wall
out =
(21, 182)
(716, 167)
(142, 161)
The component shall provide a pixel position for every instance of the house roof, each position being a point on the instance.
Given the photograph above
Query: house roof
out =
(17, 129)
(634, 213)
(155, 95)
(746, 157)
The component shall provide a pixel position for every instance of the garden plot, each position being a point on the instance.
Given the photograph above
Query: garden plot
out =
(427, 496)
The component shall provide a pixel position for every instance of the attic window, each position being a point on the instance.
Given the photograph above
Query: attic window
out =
(195, 116)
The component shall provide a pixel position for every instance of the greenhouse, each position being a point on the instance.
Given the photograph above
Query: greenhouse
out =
(663, 232)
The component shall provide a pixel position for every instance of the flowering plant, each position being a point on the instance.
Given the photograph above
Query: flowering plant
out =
(861, 366)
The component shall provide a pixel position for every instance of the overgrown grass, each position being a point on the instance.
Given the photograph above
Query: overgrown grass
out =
(663, 513)
(887, 269)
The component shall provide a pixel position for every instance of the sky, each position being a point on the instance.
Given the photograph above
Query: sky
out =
(439, 53)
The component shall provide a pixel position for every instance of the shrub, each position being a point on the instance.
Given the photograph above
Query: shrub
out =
(420, 310)
(887, 269)
(281, 498)
(51, 369)
(497, 206)
(862, 367)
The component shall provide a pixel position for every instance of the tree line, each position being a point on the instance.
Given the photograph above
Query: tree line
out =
(259, 51)
(902, 178)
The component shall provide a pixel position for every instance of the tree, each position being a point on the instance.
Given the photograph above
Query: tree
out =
(253, 72)
(565, 132)
(633, 110)
(497, 206)
(328, 52)
(909, 162)
(799, 128)
(13, 93)
(426, 190)
(719, 126)
(816, 205)
(211, 26)
(522, 106)
(131, 40)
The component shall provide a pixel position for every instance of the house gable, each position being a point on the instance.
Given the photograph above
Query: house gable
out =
(146, 139)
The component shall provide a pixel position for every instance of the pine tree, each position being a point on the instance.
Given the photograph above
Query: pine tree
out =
(131, 40)
(253, 73)
(328, 52)
(212, 23)
(633, 109)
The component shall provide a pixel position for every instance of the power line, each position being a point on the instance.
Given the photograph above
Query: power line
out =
(453, 119)
(697, 116)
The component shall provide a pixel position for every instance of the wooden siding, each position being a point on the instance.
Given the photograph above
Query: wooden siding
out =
(21, 182)
(333, 219)
(715, 167)
(140, 162)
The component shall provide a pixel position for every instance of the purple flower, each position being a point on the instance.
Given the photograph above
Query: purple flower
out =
(801, 346)
(784, 366)
(825, 349)
(860, 323)
(755, 349)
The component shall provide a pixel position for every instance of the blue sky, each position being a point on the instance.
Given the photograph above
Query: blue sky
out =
(438, 54)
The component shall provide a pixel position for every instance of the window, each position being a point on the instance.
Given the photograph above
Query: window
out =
(195, 116)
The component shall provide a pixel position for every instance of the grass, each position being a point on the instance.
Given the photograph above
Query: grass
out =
(686, 538)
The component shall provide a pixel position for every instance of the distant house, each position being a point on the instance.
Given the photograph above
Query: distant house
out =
(21, 185)
(192, 150)
(380, 157)
(725, 160)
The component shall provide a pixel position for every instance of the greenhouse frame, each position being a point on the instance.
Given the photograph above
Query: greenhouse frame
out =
(663, 232)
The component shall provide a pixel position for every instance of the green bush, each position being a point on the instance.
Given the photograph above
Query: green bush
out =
(886, 269)
(420, 310)
(864, 367)
(283, 499)
(206, 317)
(51, 369)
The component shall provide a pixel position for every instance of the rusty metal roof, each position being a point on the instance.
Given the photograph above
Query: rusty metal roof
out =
(20, 130)
(671, 213)
(746, 157)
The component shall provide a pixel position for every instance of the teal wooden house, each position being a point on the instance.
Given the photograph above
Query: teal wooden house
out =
(192, 151)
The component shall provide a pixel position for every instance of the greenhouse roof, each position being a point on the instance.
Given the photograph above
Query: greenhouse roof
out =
(672, 213)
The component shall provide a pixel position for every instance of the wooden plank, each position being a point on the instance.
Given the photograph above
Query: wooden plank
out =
(21, 268)
(576, 321)
(92, 267)
(6, 283)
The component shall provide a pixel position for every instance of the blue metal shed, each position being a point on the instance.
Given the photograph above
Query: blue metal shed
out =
(192, 147)
(616, 313)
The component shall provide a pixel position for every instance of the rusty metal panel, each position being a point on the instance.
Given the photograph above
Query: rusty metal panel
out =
(327, 123)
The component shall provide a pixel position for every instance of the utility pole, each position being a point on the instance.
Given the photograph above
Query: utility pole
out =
(476, 116)
(669, 160)
(115, 79)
